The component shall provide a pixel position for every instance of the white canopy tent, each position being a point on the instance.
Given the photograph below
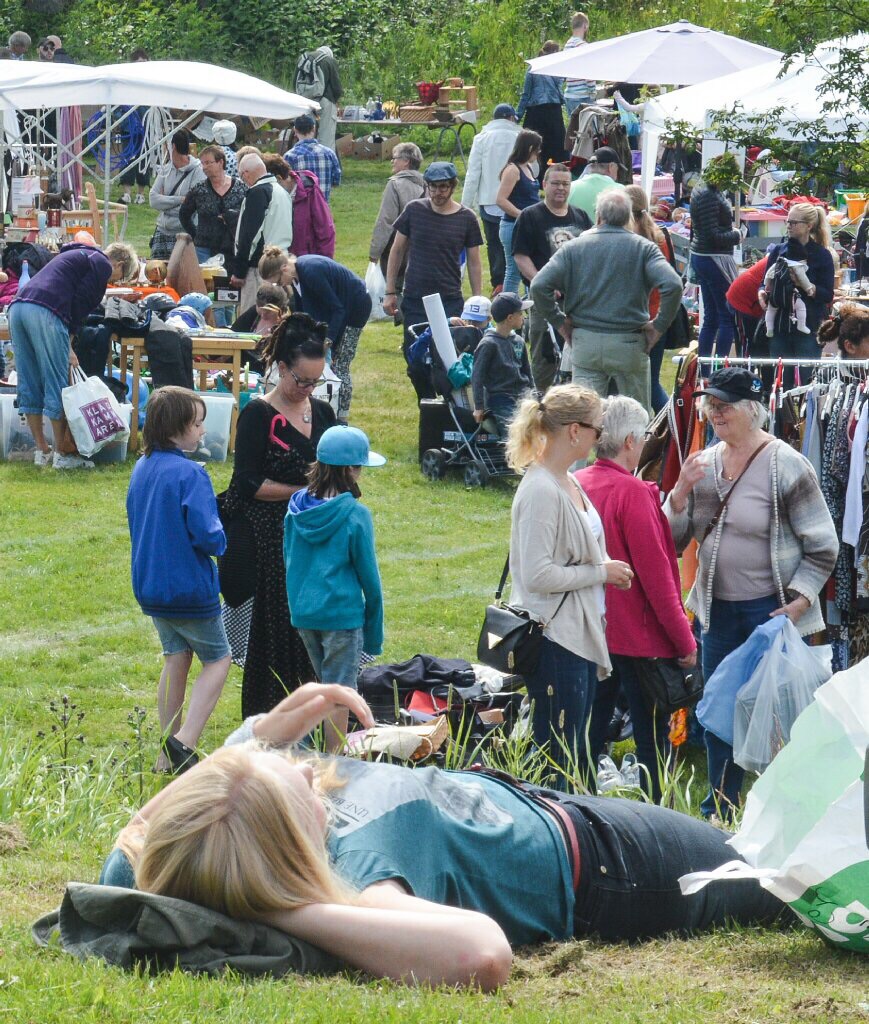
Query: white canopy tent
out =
(798, 91)
(678, 54)
(182, 85)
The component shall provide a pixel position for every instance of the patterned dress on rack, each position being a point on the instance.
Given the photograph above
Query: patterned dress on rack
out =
(252, 574)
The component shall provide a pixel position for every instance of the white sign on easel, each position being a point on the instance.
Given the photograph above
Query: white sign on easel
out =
(25, 193)
(440, 329)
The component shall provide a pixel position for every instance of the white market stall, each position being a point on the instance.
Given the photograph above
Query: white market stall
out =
(119, 88)
(800, 91)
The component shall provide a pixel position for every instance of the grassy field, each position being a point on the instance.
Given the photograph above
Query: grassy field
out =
(71, 773)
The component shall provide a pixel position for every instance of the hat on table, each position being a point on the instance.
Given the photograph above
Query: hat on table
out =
(224, 132)
(346, 446)
(606, 155)
(197, 301)
(507, 303)
(477, 308)
(733, 384)
(441, 170)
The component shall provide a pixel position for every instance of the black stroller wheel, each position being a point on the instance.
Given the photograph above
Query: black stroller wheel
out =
(434, 464)
(476, 475)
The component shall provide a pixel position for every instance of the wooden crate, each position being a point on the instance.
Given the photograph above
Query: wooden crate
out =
(458, 98)
(416, 112)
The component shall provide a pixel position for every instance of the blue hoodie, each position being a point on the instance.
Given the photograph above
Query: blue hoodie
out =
(332, 577)
(175, 529)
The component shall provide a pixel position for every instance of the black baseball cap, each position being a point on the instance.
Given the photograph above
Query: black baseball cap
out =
(733, 384)
(507, 303)
(607, 155)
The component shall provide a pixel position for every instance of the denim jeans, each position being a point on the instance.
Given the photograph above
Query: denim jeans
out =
(632, 855)
(718, 329)
(40, 340)
(650, 731)
(562, 689)
(793, 345)
(334, 654)
(656, 359)
(502, 407)
(731, 623)
(512, 277)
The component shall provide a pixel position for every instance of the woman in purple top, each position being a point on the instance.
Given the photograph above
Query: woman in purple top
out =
(43, 317)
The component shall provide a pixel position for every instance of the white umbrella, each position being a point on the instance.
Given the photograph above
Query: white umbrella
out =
(677, 54)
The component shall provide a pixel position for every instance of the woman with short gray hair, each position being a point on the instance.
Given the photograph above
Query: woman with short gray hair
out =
(405, 185)
(648, 620)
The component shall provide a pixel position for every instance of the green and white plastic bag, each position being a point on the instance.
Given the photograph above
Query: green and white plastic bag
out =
(803, 834)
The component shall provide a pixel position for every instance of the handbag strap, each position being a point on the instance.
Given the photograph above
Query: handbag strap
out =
(503, 582)
(713, 522)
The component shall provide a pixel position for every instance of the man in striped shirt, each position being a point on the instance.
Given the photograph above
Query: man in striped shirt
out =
(578, 92)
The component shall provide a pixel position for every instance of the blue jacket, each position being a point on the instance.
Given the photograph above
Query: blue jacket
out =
(537, 90)
(175, 529)
(71, 285)
(820, 272)
(332, 577)
(332, 294)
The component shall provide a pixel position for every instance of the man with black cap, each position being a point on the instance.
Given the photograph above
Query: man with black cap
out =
(310, 155)
(600, 174)
(490, 151)
(431, 234)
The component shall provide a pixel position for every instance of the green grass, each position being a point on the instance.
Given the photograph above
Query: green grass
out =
(70, 626)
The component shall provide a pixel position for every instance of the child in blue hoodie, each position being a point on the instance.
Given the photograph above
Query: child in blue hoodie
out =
(175, 530)
(333, 583)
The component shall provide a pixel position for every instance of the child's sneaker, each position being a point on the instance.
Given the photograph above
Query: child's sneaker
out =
(126, 198)
(140, 200)
(71, 462)
(41, 458)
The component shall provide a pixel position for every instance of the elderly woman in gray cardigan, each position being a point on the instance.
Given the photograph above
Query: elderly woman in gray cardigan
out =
(768, 551)
(559, 566)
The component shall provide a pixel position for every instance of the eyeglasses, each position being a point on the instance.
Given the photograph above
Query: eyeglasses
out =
(441, 186)
(790, 223)
(47, 46)
(598, 431)
(304, 382)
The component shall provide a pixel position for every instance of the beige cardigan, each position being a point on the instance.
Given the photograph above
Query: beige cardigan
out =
(552, 552)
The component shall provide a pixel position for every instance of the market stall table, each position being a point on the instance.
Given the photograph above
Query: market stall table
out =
(448, 129)
(211, 351)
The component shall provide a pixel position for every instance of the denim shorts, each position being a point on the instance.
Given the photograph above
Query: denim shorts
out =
(205, 637)
(334, 654)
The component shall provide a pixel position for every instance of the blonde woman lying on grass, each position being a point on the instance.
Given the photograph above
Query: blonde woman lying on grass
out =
(416, 874)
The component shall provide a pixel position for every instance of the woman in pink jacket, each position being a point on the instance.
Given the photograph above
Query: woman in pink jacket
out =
(648, 620)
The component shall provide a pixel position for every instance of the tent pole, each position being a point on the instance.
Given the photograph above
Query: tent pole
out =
(107, 173)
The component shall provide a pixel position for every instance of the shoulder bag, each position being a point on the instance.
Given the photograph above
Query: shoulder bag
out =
(510, 637)
(666, 685)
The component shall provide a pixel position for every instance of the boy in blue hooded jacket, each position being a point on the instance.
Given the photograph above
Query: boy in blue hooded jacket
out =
(333, 583)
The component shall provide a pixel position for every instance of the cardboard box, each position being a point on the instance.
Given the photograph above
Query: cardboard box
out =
(365, 149)
(344, 145)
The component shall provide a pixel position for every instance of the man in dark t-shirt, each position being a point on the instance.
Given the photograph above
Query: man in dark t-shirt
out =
(431, 234)
(539, 233)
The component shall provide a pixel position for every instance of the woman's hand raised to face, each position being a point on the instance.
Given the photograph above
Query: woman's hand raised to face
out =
(305, 708)
(693, 471)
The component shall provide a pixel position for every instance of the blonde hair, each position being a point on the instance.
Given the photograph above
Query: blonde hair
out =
(237, 839)
(819, 229)
(536, 421)
(579, 20)
(246, 151)
(643, 223)
(272, 262)
(124, 255)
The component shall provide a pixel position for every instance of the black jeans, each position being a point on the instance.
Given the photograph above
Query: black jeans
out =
(494, 249)
(631, 857)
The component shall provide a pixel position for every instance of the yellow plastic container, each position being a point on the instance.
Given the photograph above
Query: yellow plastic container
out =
(855, 201)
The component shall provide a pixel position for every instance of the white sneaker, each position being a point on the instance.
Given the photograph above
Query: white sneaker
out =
(126, 198)
(71, 462)
(140, 200)
(41, 458)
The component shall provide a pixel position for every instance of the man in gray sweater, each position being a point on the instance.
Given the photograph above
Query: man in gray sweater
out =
(604, 278)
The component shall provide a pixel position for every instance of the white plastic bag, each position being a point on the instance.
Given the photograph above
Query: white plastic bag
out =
(777, 692)
(93, 414)
(375, 285)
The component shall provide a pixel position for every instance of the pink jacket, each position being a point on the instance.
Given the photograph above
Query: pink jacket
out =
(9, 289)
(648, 620)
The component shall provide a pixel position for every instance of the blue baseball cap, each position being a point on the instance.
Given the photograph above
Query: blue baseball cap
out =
(505, 112)
(441, 170)
(346, 446)
(197, 301)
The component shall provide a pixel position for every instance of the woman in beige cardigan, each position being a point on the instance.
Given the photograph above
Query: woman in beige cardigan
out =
(559, 564)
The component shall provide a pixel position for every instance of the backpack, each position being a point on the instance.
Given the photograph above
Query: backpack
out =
(781, 295)
(310, 80)
(313, 225)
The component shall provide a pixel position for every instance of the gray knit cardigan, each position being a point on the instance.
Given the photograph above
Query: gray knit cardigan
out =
(803, 543)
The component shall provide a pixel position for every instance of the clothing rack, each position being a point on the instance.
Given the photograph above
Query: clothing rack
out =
(769, 361)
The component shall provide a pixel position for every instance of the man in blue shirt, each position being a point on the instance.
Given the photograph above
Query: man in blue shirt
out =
(310, 155)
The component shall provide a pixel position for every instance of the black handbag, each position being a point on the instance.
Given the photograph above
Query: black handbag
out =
(510, 637)
(667, 685)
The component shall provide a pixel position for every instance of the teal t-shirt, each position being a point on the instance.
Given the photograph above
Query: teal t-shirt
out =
(584, 192)
(458, 838)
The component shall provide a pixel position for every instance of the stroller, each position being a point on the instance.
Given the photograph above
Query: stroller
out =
(449, 436)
